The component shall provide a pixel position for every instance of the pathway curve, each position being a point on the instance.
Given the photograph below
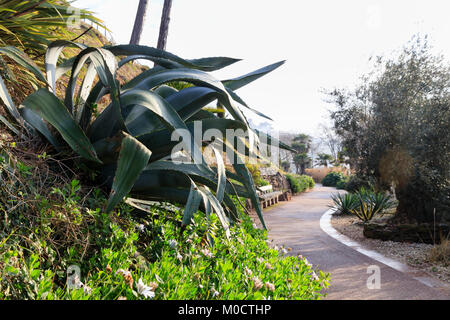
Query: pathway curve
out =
(296, 224)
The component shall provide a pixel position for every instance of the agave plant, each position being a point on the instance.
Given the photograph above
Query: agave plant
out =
(129, 142)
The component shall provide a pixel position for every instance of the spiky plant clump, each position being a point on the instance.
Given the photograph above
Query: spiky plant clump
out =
(130, 142)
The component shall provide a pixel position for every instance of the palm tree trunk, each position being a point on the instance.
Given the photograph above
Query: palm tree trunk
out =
(164, 27)
(139, 22)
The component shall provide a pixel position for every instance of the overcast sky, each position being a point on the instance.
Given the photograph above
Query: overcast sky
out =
(327, 43)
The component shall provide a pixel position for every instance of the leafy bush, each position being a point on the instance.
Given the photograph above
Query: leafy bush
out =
(341, 184)
(332, 178)
(355, 183)
(255, 171)
(141, 258)
(405, 141)
(262, 182)
(127, 141)
(300, 183)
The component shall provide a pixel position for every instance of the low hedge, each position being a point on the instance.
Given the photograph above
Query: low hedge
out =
(300, 183)
(333, 178)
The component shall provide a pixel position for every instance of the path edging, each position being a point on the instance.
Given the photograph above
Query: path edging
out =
(325, 225)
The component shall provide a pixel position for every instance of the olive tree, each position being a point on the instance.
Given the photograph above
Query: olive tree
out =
(395, 129)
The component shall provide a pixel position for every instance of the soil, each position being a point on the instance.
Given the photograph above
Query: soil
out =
(416, 255)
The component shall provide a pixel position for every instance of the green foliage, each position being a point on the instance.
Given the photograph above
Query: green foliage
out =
(256, 175)
(32, 24)
(364, 203)
(301, 144)
(355, 183)
(332, 179)
(370, 203)
(342, 184)
(300, 183)
(127, 141)
(345, 203)
(323, 159)
(116, 254)
(394, 128)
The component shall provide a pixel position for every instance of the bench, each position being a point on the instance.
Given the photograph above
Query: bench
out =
(267, 196)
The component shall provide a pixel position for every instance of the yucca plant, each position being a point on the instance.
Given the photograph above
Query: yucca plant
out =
(369, 203)
(129, 142)
(344, 203)
(364, 210)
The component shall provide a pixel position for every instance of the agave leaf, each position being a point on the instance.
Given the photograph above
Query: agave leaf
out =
(47, 106)
(189, 101)
(6, 98)
(161, 144)
(51, 59)
(242, 102)
(241, 81)
(9, 125)
(81, 107)
(245, 178)
(221, 176)
(217, 209)
(165, 91)
(199, 173)
(37, 123)
(186, 168)
(195, 77)
(213, 63)
(151, 105)
(273, 141)
(105, 64)
(169, 60)
(192, 205)
(133, 158)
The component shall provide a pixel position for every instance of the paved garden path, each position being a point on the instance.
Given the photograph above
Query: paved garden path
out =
(296, 224)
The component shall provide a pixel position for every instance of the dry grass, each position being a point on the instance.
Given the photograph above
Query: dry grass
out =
(319, 173)
(440, 252)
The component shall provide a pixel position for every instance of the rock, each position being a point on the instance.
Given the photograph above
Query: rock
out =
(422, 233)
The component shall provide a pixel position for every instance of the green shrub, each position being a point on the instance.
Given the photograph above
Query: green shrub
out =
(355, 183)
(332, 178)
(341, 184)
(116, 253)
(300, 183)
(262, 182)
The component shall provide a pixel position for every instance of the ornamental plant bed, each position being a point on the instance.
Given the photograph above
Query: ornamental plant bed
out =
(422, 233)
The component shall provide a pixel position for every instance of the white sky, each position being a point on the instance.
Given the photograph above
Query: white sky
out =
(326, 43)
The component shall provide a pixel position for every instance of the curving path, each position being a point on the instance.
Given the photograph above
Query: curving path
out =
(296, 224)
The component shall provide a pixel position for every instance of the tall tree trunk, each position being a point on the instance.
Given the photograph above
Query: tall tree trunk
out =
(164, 27)
(139, 22)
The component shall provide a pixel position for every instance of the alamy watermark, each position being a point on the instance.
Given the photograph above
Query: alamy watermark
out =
(74, 20)
(238, 146)
(374, 280)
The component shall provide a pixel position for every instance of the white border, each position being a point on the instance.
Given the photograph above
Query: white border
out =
(325, 225)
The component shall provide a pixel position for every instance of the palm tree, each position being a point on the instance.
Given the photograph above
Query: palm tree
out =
(139, 22)
(302, 144)
(323, 159)
(164, 27)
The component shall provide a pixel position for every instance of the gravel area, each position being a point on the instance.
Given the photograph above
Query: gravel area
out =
(413, 254)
